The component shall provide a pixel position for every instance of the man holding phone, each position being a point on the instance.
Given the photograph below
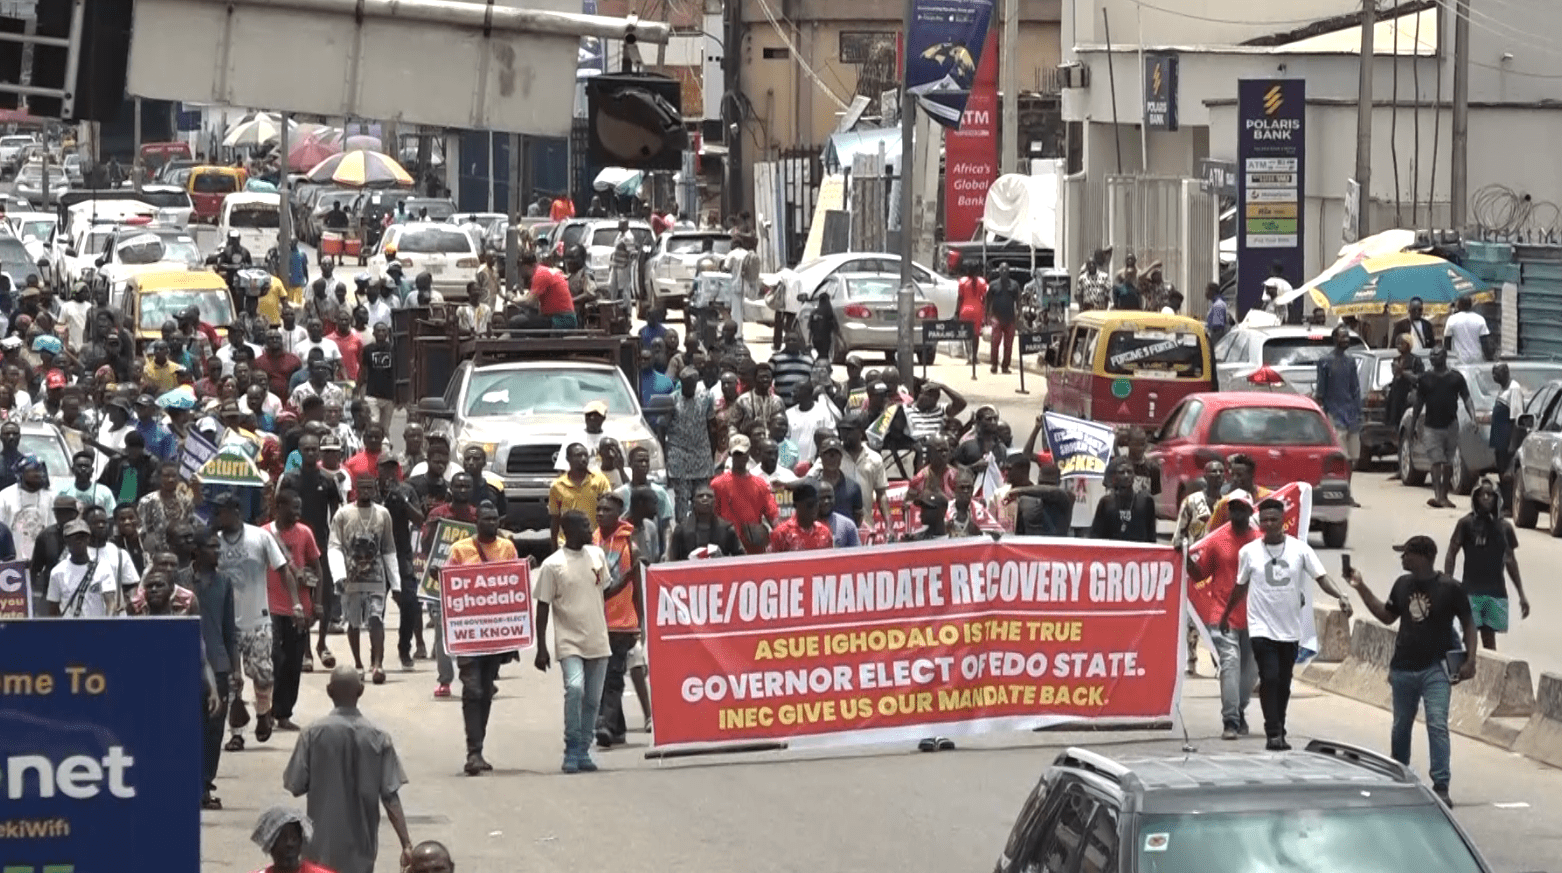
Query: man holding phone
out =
(1428, 602)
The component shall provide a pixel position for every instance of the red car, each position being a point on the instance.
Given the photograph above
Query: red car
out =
(1287, 436)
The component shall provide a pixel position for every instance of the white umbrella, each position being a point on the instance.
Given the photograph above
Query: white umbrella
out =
(257, 131)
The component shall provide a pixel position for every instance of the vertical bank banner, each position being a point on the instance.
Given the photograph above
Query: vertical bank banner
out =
(486, 608)
(1271, 184)
(943, 54)
(893, 644)
(1160, 91)
(971, 155)
(101, 755)
(16, 599)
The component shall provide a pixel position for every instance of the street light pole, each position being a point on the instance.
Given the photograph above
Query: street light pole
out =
(907, 298)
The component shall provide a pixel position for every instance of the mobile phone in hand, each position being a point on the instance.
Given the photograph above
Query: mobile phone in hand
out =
(1345, 565)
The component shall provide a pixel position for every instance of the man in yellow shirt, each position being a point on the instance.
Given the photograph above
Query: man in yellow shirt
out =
(577, 488)
(162, 373)
(478, 672)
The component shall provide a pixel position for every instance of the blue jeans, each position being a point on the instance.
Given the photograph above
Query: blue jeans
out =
(1238, 674)
(1411, 688)
(583, 678)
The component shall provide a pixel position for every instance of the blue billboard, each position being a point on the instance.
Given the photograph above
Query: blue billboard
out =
(100, 745)
(943, 51)
(1271, 184)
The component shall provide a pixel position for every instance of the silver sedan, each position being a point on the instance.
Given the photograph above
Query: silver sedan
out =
(867, 315)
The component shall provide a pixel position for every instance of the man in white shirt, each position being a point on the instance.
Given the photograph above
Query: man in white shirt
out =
(1272, 576)
(330, 352)
(571, 590)
(1466, 333)
(81, 586)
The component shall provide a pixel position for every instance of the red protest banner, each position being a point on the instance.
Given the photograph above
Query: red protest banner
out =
(487, 607)
(883, 644)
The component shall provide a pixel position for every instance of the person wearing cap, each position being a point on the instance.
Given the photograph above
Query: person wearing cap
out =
(591, 436)
(1213, 562)
(577, 488)
(829, 468)
(744, 499)
(48, 548)
(1427, 605)
(81, 586)
(932, 517)
(1284, 565)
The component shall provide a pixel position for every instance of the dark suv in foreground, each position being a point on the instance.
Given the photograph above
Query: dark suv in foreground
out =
(1329, 808)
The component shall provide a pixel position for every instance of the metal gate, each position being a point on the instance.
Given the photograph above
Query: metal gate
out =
(1539, 300)
(797, 173)
(1167, 219)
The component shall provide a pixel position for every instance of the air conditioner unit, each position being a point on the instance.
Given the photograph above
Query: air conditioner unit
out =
(1073, 75)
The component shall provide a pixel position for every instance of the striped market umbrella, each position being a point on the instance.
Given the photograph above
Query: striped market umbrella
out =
(256, 131)
(363, 141)
(1385, 284)
(360, 168)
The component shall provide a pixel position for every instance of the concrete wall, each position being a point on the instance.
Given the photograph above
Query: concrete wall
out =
(1202, 22)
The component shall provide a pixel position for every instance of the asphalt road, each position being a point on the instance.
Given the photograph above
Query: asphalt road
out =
(857, 808)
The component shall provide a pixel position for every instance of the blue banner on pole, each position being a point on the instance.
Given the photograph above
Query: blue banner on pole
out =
(100, 744)
(1271, 185)
(1080, 448)
(943, 50)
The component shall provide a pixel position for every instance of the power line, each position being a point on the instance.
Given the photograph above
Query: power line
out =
(1313, 20)
(801, 61)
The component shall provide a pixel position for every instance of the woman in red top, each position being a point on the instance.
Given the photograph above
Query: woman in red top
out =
(973, 291)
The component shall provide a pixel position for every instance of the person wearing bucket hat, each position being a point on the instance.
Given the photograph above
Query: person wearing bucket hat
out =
(1427, 658)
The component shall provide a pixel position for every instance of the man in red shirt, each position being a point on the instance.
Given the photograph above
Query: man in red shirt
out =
(367, 462)
(277, 363)
(803, 531)
(348, 342)
(744, 499)
(561, 209)
(1213, 561)
(290, 629)
(549, 294)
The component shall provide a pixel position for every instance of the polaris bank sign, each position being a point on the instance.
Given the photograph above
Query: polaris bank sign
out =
(1271, 186)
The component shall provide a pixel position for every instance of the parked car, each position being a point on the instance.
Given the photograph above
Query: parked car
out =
(568, 232)
(15, 260)
(132, 251)
(73, 168)
(600, 236)
(53, 445)
(438, 208)
(669, 271)
(29, 183)
(1287, 435)
(1537, 462)
(867, 314)
(321, 201)
(443, 250)
(1474, 455)
(1292, 350)
(35, 230)
(806, 279)
(11, 150)
(1379, 436)
(1329, 806)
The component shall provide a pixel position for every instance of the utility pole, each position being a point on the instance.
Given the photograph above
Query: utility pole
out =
(907, 298)
(1369, 20)
(136, 167)
(1009, 84)
(732, 111)
(1459, 178)
(512, 239)
(284, 213)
